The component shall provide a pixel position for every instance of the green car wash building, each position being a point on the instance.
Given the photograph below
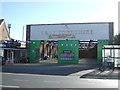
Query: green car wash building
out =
(65, 41)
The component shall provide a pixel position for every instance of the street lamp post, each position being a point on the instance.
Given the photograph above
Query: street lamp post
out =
(9, 26)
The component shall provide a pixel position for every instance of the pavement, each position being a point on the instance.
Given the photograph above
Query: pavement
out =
(106, 74)
(87, 68)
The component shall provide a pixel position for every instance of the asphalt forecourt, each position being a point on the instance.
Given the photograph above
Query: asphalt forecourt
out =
(48, 68)
(81, 70)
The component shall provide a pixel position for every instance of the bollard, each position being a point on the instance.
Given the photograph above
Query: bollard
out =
(8, 61)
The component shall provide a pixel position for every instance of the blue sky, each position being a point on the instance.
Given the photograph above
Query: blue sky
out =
(21, 13)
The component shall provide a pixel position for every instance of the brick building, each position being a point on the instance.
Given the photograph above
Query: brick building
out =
(9, 48)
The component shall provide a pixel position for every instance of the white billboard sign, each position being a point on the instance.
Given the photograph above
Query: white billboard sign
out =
(70, 31)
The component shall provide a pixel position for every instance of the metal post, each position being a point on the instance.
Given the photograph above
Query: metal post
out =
(104, 55)
(12, 58)
(114, 56)
(9, 26)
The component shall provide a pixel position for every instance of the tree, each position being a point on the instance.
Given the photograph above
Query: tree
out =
(116, 40)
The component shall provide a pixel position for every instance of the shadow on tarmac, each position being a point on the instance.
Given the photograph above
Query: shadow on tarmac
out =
(107, 74)
(51, 68)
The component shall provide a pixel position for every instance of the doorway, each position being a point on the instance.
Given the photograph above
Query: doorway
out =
(88, 51)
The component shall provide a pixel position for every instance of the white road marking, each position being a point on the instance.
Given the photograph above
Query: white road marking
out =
(6, 86)
(30, 74)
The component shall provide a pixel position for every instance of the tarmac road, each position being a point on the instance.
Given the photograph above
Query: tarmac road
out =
(52, 75)
(13, 80)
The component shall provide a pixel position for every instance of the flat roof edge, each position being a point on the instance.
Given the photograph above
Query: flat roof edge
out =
(71, 23)
(13, 48)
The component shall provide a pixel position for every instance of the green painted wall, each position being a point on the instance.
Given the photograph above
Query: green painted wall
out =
(68, 45)
(33, 46)
(99, 49)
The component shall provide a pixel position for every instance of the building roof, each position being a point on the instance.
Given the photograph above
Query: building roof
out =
(111, 47)
(14, 49)
(3, 31)
(1, 20)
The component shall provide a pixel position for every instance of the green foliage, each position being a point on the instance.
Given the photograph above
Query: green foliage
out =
(116, 40)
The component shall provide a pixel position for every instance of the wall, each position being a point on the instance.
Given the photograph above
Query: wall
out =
(68, 45)
(33, 47)
(71, 31)
(3, 32)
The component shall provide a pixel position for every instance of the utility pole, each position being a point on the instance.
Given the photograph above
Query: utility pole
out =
(23, 34)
